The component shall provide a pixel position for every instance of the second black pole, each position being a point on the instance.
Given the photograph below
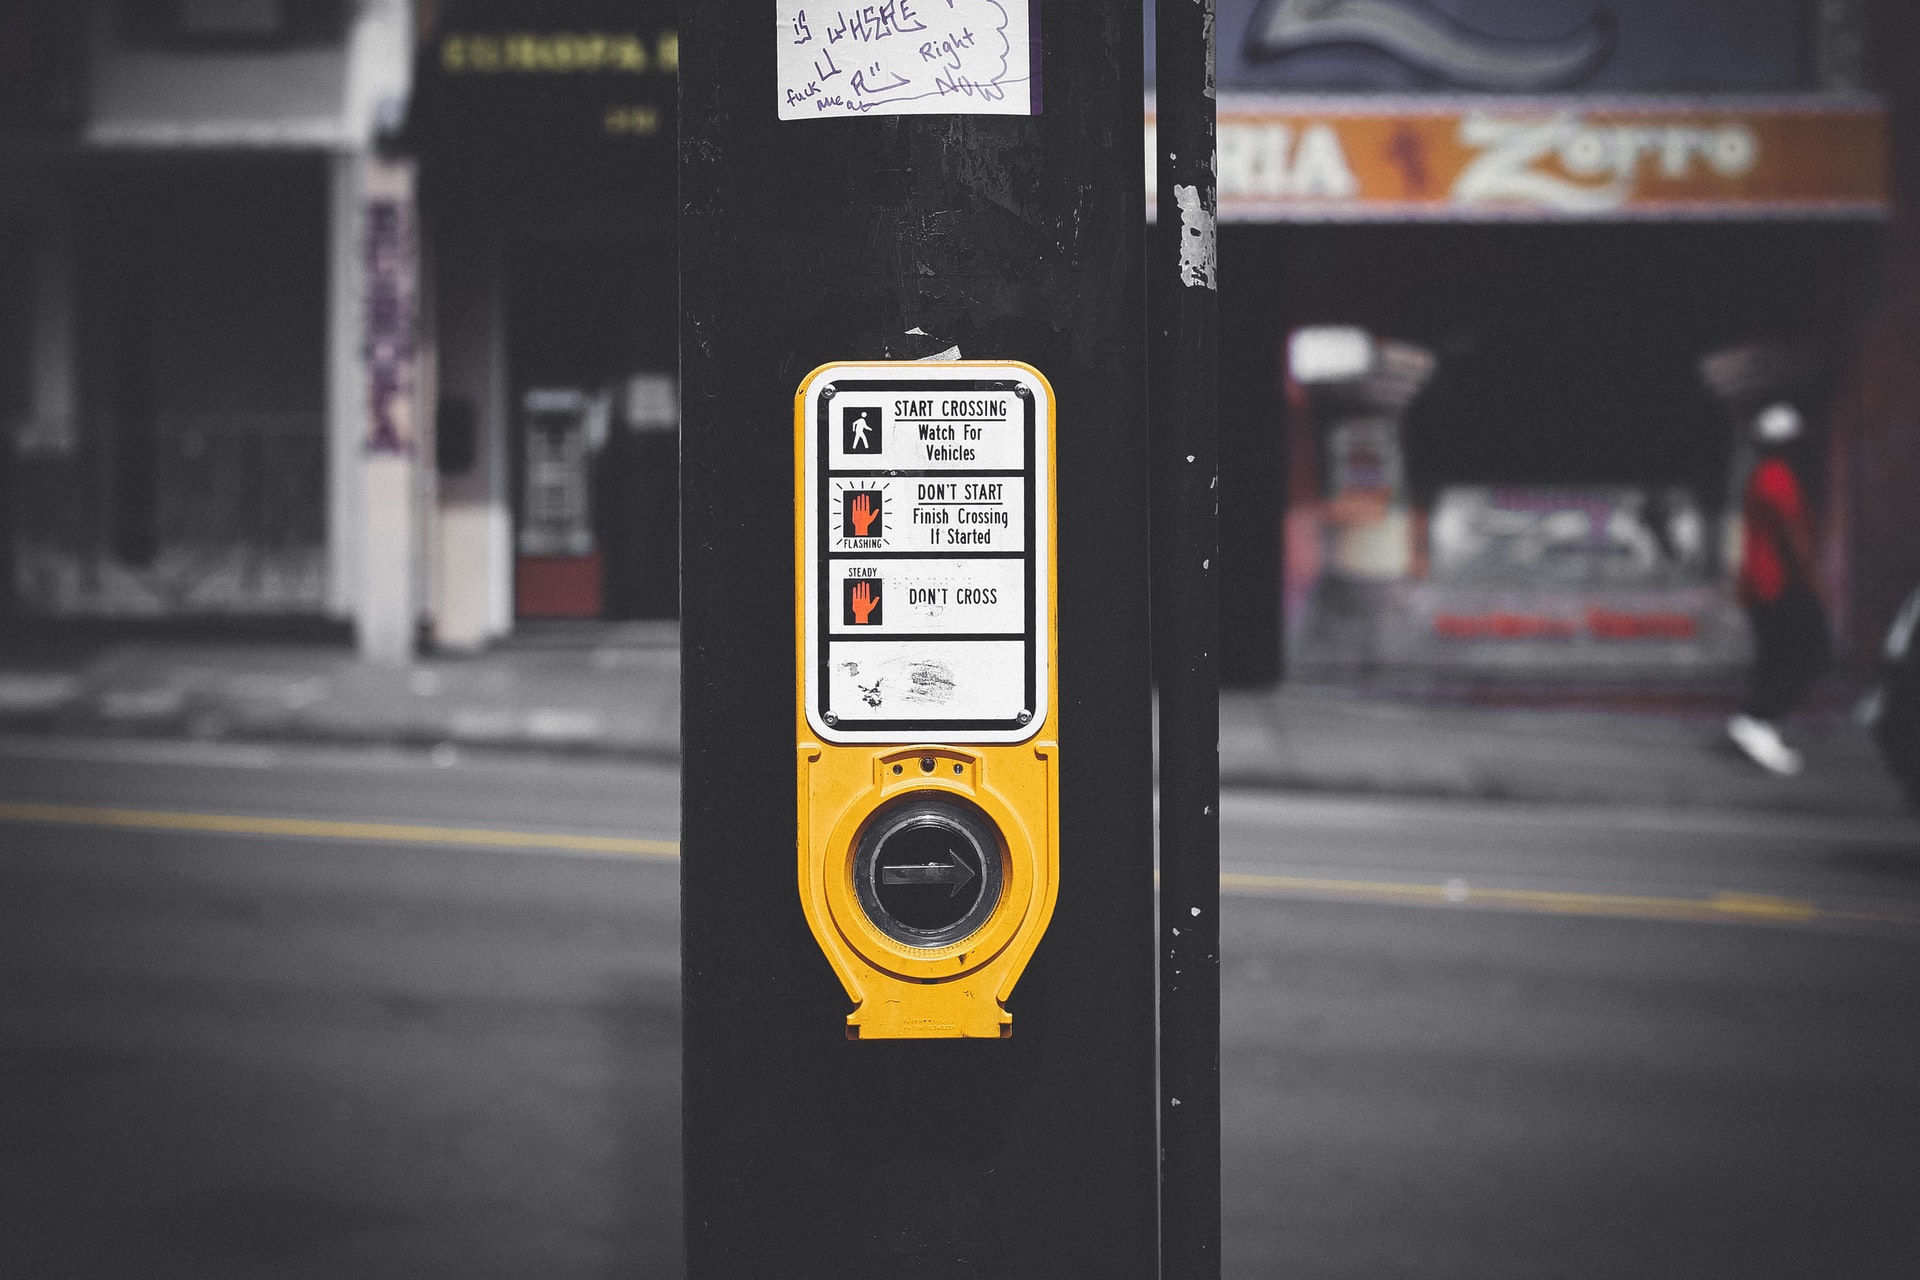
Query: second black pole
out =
(1183, 409)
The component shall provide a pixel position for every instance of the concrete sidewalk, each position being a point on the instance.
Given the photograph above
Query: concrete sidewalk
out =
(615, 690)
(605, 689)
(1324, 739)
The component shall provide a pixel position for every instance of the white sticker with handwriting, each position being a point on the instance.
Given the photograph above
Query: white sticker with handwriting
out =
(906, 57)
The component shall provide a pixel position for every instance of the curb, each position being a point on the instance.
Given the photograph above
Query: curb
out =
(204, 728)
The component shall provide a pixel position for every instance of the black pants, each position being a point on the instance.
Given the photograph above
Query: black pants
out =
(1791, 650)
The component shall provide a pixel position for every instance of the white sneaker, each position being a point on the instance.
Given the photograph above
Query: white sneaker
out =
(1761, 741)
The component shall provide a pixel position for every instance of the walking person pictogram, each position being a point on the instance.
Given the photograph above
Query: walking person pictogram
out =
(859, 430)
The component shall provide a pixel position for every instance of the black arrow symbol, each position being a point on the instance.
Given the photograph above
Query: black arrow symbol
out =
(953, 872)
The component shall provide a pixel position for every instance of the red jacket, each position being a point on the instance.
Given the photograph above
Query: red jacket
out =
(1777, 548)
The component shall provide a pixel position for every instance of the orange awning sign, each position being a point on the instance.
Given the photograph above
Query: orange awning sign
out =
(1291, 159)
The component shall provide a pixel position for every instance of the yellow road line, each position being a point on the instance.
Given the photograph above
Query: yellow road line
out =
(1720, 908)
(314, 829)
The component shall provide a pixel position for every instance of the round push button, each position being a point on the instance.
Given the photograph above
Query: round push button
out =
(927, 869)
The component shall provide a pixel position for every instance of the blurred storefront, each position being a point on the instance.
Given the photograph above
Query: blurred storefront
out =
(181, 187)
(1504, 283)
(361, 309)
(544, 138)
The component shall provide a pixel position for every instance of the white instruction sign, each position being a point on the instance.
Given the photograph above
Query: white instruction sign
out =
(927, 516)
(906, 57)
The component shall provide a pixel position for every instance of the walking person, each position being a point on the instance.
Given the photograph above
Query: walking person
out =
(1791, 644)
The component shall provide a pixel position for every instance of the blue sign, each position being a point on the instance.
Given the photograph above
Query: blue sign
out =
(1513, 46)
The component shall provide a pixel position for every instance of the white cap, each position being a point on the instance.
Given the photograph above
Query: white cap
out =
(1778, 423)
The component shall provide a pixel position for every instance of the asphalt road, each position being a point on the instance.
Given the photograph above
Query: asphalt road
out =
(274, 1012)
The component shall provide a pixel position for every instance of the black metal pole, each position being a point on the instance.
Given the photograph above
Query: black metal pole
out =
(1011, 238)
(1184, 415)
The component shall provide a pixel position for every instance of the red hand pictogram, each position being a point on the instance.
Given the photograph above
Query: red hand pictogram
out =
(862, 515)
(863, 602)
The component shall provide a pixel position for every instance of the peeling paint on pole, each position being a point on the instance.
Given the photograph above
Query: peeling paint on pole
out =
(1199, 241)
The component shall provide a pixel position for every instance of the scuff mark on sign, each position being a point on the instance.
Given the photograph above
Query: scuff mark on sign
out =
(930, 682)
